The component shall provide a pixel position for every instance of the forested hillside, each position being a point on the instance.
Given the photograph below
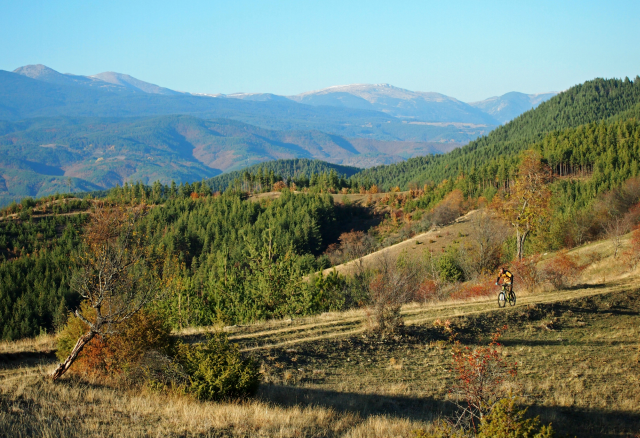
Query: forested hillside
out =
(239, 260)
(243, 260)
(590, 102)
(281, 169)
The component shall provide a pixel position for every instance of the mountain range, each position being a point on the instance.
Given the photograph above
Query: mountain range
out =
(393, 101)
(64, 131)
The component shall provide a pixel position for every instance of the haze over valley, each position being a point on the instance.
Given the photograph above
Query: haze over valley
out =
(92, 132)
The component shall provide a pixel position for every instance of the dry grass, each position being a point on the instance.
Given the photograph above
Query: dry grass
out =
(578, 354)
(434, 240)
(34, 406)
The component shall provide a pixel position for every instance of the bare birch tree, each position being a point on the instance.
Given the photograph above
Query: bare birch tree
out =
(117, 274)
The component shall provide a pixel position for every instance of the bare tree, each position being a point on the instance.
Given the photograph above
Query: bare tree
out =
(614, 229)
(484, 243)
(118, 273)
(394, 283)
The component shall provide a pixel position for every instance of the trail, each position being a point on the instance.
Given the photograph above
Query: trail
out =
(285, 333)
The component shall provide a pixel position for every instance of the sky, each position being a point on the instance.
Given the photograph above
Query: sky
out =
(470, 50)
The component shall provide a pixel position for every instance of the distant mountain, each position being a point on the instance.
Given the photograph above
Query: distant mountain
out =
(256, 97)
(509, 106)
(132, 83)
(38, 156)
(397, 102)
(109, 81)
(37, 91)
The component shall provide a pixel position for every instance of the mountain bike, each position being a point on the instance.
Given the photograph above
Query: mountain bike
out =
(506, 295)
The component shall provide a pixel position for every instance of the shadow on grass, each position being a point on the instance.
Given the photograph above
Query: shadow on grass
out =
(515, 342)
(573, 421)
(366, 405)
(13, 360)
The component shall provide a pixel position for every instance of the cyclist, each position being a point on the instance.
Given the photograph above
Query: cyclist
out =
(507, 279)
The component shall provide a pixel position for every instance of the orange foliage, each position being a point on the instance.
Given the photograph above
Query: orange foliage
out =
(480, 374)
(526, 271)
(279, 186)
(633, 254)
(562, 271)
(483, 288)
(117, 353)
(374, 189)
(450, 208)
(427, 291)
(194, 195)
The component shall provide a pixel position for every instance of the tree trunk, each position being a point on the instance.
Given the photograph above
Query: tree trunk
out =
(64, 366)
(520, 238)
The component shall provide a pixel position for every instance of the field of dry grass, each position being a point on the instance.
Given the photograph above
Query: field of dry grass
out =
(578, 355)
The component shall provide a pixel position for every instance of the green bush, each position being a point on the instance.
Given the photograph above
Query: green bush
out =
(217, 371)
(507, 421)
(449, 268)
(504, 421)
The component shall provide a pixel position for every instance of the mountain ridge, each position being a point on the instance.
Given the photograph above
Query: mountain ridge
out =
(388, 99)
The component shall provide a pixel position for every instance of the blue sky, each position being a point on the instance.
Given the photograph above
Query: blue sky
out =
(469, 50)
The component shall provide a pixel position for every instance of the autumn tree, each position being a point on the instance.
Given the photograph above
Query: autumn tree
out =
(117, 274)
(526, 205)
(449, 209)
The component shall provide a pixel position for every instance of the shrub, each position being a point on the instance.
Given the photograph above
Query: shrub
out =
(217, 371)
(526, 272)
(562, 271)
(449, 268)
(484, 411)
(480, 374)
(481, 288)
(429, 290)
(633, 253)
(449, 209)
(118, 353)
(507, 421)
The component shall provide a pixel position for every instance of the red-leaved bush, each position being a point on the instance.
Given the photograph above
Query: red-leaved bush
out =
(479, 289)
(562, 271)
(429, 290)
(480, 374)
(633, 253)
(118, 353)
(526, 272)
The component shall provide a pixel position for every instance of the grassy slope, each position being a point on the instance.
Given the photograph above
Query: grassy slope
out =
(577, 351)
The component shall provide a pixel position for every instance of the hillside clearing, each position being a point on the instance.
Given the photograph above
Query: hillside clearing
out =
(577, 351)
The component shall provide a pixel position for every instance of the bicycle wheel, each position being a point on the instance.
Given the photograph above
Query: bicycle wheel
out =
(512, 298)
(502, 299)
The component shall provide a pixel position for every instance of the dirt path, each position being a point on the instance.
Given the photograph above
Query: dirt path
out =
(285, 333)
